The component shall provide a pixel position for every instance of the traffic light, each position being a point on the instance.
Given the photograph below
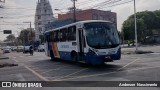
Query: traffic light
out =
(7, 32)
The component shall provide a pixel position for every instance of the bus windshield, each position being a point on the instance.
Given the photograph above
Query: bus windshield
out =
(101, 35)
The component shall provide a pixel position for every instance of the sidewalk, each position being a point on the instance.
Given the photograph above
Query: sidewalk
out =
(143, 49)
(5, 61)
(2, 56)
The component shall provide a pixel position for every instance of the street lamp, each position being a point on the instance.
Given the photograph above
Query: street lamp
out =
(135, 22)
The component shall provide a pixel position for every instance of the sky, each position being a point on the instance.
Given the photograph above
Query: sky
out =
(16, 12)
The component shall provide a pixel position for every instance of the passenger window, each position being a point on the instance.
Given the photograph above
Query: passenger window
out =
(56, 36)
(52, 36)
(63, 34)
(72, 33)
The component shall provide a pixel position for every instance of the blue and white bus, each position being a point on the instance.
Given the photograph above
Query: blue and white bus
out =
(92, 42)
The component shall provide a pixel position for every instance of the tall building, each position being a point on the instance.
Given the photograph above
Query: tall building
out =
(43, 16)
(2, 3)
(91, 14)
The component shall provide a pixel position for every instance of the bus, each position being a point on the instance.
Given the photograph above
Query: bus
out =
(92, 42)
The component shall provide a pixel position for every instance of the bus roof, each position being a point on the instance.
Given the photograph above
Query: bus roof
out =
(86, 21)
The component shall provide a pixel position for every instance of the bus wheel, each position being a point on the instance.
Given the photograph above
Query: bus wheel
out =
(74, 56)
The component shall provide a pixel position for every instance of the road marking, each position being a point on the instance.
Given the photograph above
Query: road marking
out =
(35, 73)
(128, 64)
(84, 76)
(143, 68)
(104, 73)
(53, 69)
(73, 73)
(15, 60)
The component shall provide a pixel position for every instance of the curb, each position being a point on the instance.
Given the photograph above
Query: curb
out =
(136, 52)
(4, 58)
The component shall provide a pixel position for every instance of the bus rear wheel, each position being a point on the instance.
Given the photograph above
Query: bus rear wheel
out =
(74, 56)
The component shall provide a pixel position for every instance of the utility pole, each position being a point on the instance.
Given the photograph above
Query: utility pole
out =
(31, 31)
(74, 10)
(30, 27)
(135, 22)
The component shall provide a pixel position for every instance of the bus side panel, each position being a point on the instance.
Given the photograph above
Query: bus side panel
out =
(55, 50)
(65, 49)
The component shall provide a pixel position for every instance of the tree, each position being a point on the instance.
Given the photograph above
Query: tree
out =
(26, 36)
(10, 37)
(147, 21)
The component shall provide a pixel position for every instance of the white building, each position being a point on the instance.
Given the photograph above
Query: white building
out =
(43, 16)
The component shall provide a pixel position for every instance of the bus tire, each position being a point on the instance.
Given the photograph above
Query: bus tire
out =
(74, 56)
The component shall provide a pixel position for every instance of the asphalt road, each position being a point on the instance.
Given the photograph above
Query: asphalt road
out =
(134, 67)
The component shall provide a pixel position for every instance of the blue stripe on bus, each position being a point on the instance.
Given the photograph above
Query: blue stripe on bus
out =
(91, 58)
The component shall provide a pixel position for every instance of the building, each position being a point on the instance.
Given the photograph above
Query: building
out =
(2, 3)
(91, 14)
(43, 16)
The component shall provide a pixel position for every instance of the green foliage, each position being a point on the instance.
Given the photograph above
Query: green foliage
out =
(10, 37)
(146, 22)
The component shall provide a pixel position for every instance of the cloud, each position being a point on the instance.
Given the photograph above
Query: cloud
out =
(123, 11)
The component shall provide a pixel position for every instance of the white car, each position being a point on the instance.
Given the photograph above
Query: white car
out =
(41, 48)
(19, 48)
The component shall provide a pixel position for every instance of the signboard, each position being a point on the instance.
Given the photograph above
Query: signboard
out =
(7, 31)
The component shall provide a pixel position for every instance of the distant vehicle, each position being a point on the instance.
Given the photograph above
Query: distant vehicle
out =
(6, 50)
(26, 49)
(19, 48)
(41, 48)
(91, 41)
(31, 50)
(14, 48)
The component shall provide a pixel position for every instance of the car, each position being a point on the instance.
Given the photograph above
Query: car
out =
(41, 48)
(26, 49)
(6, 50)
(14, 48)
(20, 48)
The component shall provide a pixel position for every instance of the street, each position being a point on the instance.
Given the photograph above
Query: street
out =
(132, 67)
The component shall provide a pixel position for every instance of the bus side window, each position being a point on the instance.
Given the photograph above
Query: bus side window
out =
(47, 38)
(54, 36)
(63, 34)
(72, 33)
(51, 37)
(56, 39)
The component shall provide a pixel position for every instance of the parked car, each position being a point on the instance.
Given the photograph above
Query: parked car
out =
(41, 48)
(14, 48)
(26, 49)
(19, 48)
(6, 50)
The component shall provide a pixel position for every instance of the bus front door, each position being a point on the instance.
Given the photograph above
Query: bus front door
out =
(81, 44)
